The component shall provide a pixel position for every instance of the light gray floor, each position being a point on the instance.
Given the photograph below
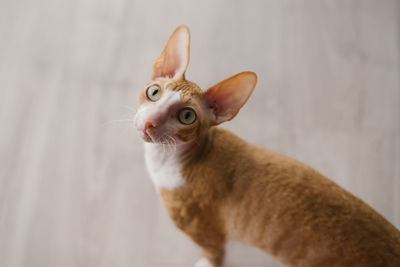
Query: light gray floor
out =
(73, 188)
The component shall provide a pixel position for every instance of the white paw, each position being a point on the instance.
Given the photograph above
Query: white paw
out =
(203, 262)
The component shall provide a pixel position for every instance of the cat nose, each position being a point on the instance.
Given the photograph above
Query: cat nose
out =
(149, 125)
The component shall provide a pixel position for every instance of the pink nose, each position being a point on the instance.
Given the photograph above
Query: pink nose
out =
(149, 125)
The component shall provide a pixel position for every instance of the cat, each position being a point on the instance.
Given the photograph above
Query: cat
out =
(217, 187)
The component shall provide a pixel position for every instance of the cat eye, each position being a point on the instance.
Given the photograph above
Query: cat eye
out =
(187, 116)
(153, 93)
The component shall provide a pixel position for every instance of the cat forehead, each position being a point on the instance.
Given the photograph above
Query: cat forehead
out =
(186, 88)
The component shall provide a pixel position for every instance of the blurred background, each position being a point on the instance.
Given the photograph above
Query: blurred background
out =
(73, 187)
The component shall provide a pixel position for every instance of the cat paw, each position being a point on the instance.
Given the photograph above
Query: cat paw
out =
(203, 262)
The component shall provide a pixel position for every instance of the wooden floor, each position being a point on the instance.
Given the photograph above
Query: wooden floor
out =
(73, 188)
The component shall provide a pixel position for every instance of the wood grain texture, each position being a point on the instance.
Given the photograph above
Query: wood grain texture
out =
(73, 188)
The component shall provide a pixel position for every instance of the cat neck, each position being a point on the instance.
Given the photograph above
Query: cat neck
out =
(180, 152)
(165, 162)
(167, 151)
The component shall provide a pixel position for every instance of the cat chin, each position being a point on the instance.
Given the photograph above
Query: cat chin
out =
(147, 139)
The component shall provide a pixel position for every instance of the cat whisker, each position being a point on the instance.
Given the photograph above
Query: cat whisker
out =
(132, 114)
(160, 141)
(168, 144)
(135, 118)
(165, 146)
(171, 143)
(126, 120)
(133, 110)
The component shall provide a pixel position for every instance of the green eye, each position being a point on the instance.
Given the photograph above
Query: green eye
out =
(187, 116)
(153, 93)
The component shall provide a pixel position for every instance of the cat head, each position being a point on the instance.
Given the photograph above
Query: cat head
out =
(175, 109)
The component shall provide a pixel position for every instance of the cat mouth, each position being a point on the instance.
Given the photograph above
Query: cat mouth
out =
(145, 133)
(147, 136)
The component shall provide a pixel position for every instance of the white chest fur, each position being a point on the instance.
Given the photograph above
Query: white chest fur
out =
(163, 166)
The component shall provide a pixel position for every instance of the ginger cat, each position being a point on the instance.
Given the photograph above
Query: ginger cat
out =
(217, 187)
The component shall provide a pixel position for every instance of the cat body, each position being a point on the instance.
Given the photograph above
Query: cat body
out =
(217, 187)
(277, 204)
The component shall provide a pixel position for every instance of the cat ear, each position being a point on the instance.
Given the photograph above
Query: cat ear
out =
(228, 96)
(174, 58)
